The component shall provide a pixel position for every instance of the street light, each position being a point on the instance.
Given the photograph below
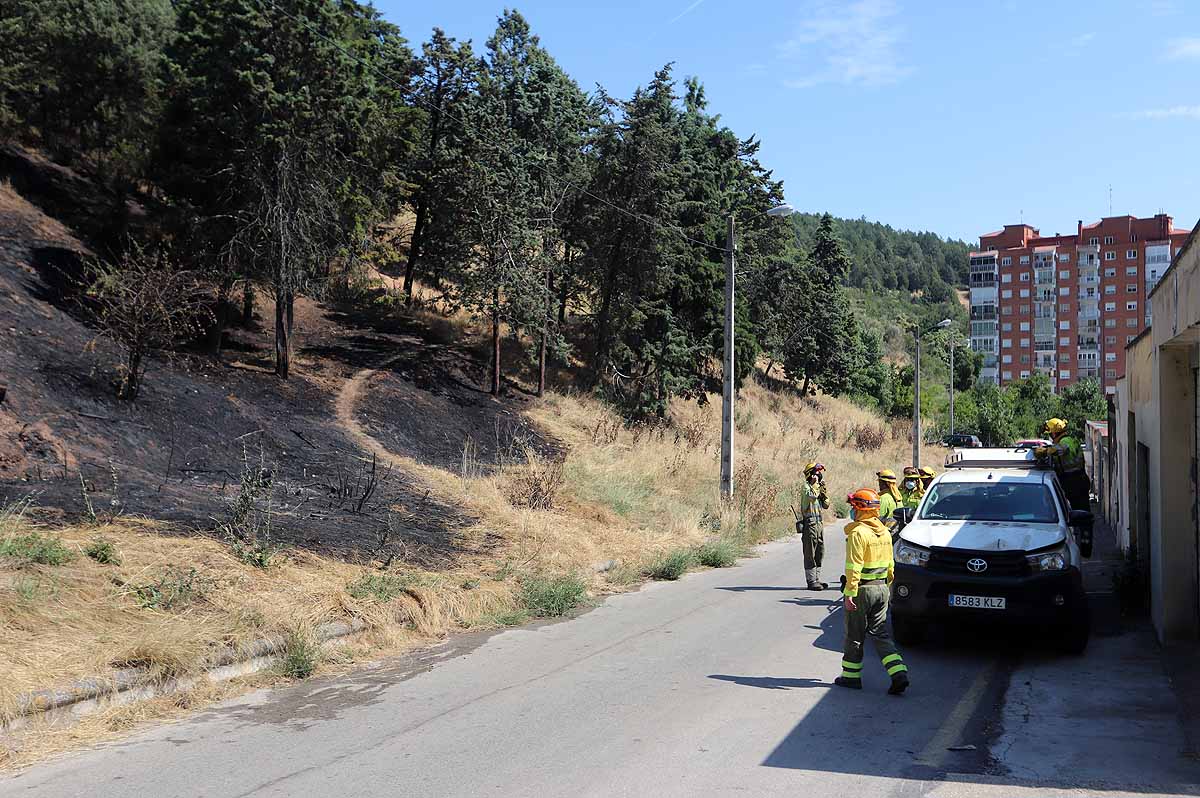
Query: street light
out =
(917, 333)
(727, 387)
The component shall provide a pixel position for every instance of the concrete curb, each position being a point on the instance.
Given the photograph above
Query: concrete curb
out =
(136, 684)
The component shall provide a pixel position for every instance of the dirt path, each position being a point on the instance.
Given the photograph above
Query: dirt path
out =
(343, 409)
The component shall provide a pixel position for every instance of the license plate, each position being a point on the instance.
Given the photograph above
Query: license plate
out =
(978, 602)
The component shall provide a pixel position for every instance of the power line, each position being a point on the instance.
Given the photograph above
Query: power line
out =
(544, 170)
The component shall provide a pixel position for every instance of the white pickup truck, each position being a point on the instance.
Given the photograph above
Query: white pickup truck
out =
(993, 539)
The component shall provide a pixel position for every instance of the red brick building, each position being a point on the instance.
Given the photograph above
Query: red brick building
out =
(1066, 305)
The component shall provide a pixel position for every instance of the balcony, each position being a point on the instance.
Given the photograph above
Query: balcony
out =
(983, 314)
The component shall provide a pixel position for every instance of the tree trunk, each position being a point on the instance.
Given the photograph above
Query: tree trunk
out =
(283, 333)
(221, 317)
(602, 325)
(247, 303)
(133, 376)
(541, 386)
(804, 387)
(496, 341)
(414, 251)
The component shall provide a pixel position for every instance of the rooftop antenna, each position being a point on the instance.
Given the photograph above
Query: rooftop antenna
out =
(1110, 199)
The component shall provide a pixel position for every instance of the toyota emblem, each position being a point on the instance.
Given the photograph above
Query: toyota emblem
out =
(977, 565)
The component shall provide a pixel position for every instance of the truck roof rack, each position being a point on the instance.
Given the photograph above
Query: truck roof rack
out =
(993, 458)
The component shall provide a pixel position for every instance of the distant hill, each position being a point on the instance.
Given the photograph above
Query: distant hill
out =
(887, 258)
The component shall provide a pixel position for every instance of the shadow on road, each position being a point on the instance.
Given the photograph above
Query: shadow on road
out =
(755, 588)
(769, 682)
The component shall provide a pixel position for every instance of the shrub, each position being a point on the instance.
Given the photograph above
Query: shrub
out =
(247, 525)
(551, 597)
(173, 589)
(33, 547)
(536, 484)
(868, 437)
(671, 565)
(381, 587)
(301, 654)
(718, 554)
(103, 552)
(840, 508)
(756, 494)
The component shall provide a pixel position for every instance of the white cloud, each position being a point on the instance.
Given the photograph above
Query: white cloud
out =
(1187, 47)
(1083, 39)
(1174, 112)
(851, 44)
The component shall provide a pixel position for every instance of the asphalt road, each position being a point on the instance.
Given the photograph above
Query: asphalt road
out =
(716, 685)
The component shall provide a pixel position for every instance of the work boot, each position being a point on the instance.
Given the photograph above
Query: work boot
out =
(899, 684)
(814, 579)
(853, 684)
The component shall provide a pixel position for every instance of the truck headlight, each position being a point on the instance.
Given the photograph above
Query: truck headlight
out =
(908, 554)
(1048, 560)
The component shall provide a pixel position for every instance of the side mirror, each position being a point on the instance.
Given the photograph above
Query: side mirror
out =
(904, 515)
(1080, 518)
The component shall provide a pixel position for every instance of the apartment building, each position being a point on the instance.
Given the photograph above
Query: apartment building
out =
(1066, 305)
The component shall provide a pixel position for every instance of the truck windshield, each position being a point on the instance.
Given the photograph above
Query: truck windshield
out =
(990, 501)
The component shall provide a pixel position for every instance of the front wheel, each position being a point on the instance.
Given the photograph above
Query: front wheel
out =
(908, 631)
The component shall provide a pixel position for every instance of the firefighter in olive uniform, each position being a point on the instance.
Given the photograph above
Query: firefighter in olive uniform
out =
(813, 499)
(869, 571)
(926, 475)
(910, 488)
(889, 498)
(1066, 454)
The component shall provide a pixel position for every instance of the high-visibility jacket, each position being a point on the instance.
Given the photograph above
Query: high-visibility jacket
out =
(868, 554)
(887, 506)
(812, 499)
(1067, 454)
(911, 498)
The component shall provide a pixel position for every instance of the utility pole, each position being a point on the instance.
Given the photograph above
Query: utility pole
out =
(727, 388)
(953, 344)
(916, 458)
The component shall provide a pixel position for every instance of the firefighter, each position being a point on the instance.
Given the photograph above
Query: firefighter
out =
(910, 488)
(926, 475)
(813, 499)
(869, 571)
(1067, 456)
(889, 498)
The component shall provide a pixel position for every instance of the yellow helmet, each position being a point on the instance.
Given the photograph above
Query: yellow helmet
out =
(886, 475)
(813, 468)
(911, 471)
(1056, 425)
(926, 472)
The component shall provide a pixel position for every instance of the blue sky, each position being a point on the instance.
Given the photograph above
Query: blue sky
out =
(949, 116)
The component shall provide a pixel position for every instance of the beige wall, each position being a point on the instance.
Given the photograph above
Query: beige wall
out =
(1159, 389)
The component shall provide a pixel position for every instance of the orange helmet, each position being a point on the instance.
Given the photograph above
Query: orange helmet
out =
(863, 499)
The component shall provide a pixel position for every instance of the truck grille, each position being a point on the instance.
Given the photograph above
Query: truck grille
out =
(999, 563)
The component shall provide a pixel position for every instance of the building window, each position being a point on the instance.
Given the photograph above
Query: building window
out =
(1110, 255)
(1110, 340)
(1024, 259)
(1006, 293)
(1024, 358)
(1064, 374)
(1025, 277)
(1024, 375)
(1006, 359)
(1024, 343)
(1006, 343)
(1024, 293)
(1093, 241)
(1064, 308)
(1131, 288)
(1006, 310)
(1007, 375)
(1110, 373)
(1024, 309)
(1131, 254)
(1064, 291)
(1006, 326)
(1064, 358)
(1064, 275)
(1131, 322)
(1006, 278)
(1110, 289)
(1131, 305)
(1064, 341)
(1129, 339)
(1110, 322)
(1110, 357)
(1110, 272)
(1064, 325)
(1131, 271)
(1006, 260)
(1025, 327)
(1109, 307)
(1108, 239)
(1064, 258)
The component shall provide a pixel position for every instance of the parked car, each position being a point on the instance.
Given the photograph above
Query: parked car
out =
(1032, 443)
(962, 442)
(993, 538)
